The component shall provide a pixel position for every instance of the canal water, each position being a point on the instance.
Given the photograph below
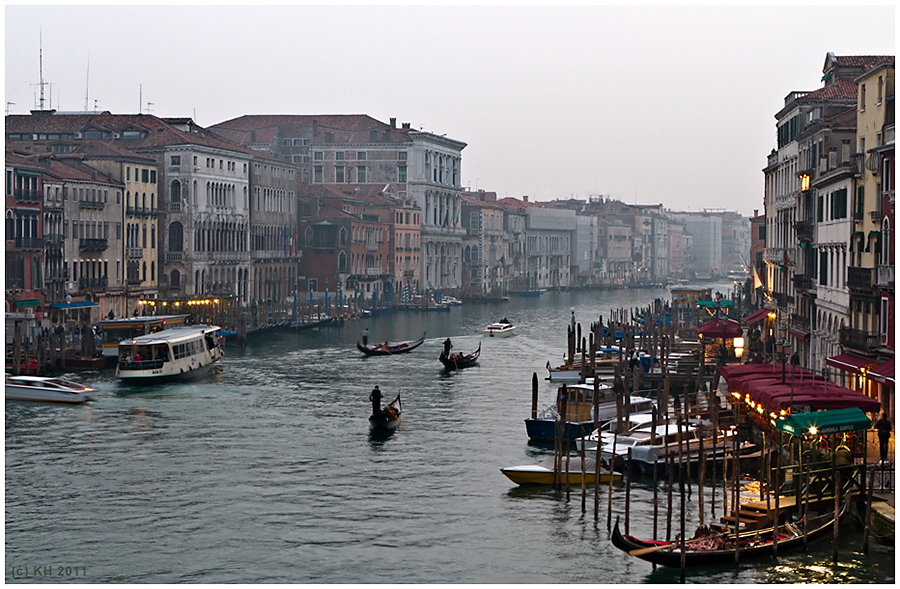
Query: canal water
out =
(266, 470)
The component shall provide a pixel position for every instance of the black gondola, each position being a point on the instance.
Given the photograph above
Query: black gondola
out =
(457, 361)
(389, 349)
(389, 418)
(716, 547)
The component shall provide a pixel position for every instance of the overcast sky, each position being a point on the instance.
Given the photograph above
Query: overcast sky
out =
(655, 104)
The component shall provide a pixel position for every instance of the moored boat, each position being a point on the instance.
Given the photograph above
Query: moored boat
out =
(502, 328)
(715, 545)
(579, 419)
(388, 418)
(542, 474)
(42, 388)
(180, 353)
(389, 349)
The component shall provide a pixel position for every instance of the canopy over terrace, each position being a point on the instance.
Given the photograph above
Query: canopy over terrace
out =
(719, 327)
(826, 422)
(760, 386)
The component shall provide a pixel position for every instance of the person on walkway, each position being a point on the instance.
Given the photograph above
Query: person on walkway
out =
(375, 397)
(884, 435)
(795, 358)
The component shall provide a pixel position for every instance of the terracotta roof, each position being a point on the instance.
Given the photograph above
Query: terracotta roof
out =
(866, 61)
(842, 89)
(352, 129)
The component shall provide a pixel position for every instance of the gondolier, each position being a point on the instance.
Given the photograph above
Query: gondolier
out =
(364, 336)
(375, 397)
(447, 346)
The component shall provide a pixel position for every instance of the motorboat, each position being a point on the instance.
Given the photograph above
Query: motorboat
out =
(502, 328)
(542, 474)
(180, 353)
(42, 388)
(452, 301)
(579, 417)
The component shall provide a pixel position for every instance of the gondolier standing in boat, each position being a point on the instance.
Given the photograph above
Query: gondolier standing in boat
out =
(447, 346)
(364, 336)
(375, 397)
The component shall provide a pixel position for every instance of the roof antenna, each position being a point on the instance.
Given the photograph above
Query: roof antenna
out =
(8, 104)
(87, 83)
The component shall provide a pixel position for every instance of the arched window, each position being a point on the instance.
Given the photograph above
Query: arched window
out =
(36, 273)
(176, 237)
(144, 236)
(10, 226)
(144, 272)
(152, 271)
(309, 236)
(175, 191)
(175, 279)
(886, 241)
(343, 237)
(152, 236)
(342, 262)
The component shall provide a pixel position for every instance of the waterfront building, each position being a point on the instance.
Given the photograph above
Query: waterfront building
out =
(24, 242)
(513, 260)
(618, 255)
(548, 235)
(274, 251)
(484, 248)
(706, 231)
(422, 167)
(678, 250)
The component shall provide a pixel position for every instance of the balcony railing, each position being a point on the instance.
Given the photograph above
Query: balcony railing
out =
(27, 195)
(802, 281)
(139, 211)
(92, 244)
(782, 299)
(799, 321)
(803, 229)
(174, 256)
(134, 252)
(857, 339)
(885, 274)
(30, 243)
(409, 273)
(92, 283)
(53, 238)
(91, 204)
(374, 271)
(173, 206)
(860, 278)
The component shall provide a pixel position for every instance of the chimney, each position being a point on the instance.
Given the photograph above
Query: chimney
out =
(393, 122)
(525, 198)
(755, 212)
(315, 127)
(406, 126)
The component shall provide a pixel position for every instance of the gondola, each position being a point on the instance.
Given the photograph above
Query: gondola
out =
(457, 361)
(389, 418)
(389, 349)
(715, 547)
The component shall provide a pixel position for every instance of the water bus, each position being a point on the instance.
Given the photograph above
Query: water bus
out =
(180, 353)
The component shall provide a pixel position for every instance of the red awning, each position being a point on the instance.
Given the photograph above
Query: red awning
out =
(799, 334)
(883, 373)
(755, 316)
(850, 362)
(721, 328)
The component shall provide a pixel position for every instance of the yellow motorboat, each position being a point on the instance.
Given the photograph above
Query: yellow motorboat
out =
(542, 474)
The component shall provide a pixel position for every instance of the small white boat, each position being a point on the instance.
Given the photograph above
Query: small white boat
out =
(502, 328)
(452, 301)
(42, 388)
(180, 353)
(542, 474)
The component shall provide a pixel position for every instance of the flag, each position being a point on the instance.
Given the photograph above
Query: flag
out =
(787, 260)
(756, 284)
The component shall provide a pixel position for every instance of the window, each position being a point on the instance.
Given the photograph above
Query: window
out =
(318, 155)
(145, 175)
(361, 174)
(317, 174)
(401, 155)
(131, 135)
(862, 97)
(401, 174)
(339, 155)
(93, 135)
(286, 142)
(361, 155)
(176, 236)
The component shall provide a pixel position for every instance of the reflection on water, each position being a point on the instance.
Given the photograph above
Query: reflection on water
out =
(267, 470)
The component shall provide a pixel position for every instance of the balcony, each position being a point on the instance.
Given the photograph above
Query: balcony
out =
(860, 279)
(30, 243)
(138, 211)
(409, 273)
(782, 299)
(371, 247)
(857, 339)
(173, 207)
(91, 204)
(92, 283)
(803, 229)
(800, 322)
(374, 271)
(885, 275)
(134, 252)
(53, 239)
(802, 282)
(92, 245)
(27, 195)
(174, 256)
